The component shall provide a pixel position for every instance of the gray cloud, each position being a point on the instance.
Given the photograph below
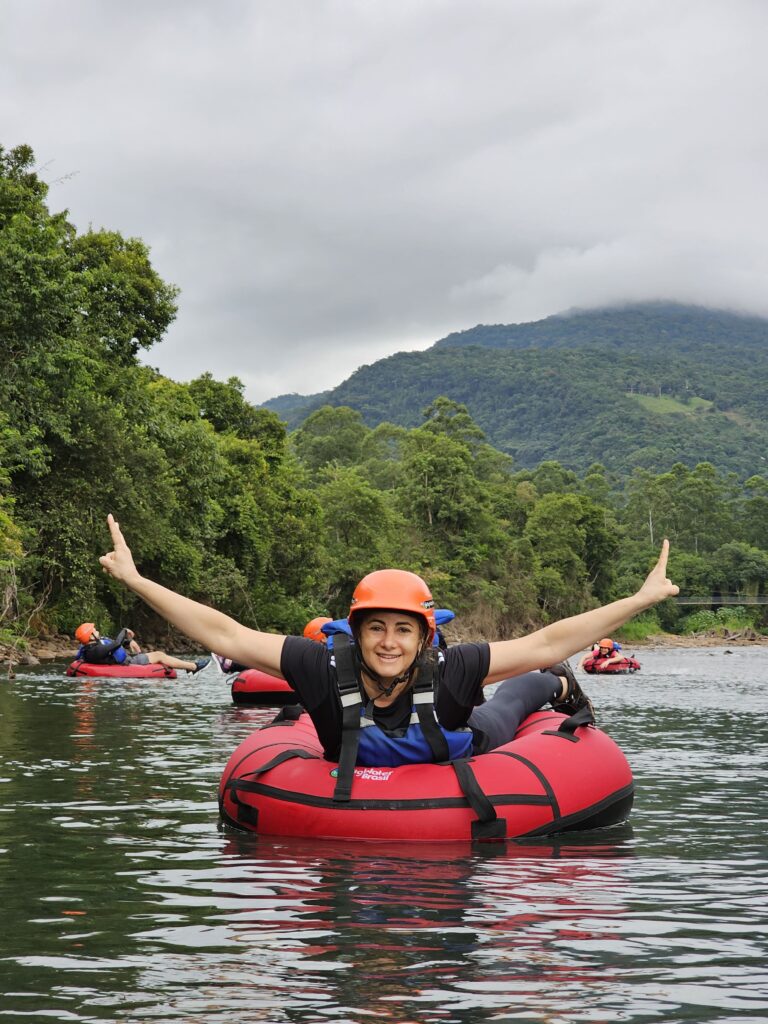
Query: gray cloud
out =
(330, 182)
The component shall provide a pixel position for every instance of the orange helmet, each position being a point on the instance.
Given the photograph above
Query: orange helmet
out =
(607, 642)
(84, 632)
(398, 591)
(313, 629)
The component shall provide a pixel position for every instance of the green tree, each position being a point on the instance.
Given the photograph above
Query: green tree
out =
(381, 455)
(362, 532)
(10, 545)
(39, 304)
(692, 573)
(651, 509)
(574, 542)
(551, 478)
(439, 489)
(127, 306)
(444, 416)
(223, 404)
(753, 512)
(597, 485)
(705, 508)
(738, 568)
(330, 435)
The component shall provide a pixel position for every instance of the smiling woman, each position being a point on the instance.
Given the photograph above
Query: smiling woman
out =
(392, 617)
(388, 696)
(389, 643)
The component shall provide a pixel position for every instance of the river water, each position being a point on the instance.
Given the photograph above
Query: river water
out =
(121, 900)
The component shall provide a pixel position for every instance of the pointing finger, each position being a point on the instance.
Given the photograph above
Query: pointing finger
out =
(661, 565)
(115, 531)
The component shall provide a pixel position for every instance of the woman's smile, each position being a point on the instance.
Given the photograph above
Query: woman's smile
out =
(390, 642)
(388, 658)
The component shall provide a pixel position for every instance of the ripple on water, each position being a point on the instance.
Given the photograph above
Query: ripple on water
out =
(123, 902)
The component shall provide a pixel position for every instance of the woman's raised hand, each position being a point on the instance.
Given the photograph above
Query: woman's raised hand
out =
(118, 562)
(657, 586)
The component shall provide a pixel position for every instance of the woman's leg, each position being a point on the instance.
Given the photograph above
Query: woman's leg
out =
(514, 699)
(161, 658)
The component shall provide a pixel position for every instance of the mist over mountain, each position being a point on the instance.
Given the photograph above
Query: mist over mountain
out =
(686, 328)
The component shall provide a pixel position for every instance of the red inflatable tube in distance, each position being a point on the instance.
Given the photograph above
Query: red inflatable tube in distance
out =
(85, 668)
(252, 686)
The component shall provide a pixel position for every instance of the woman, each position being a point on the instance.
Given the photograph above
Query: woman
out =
(392, 620)
(608, 652)
(124, 650)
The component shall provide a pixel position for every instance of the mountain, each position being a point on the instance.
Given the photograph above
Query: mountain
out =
(646, 385)
(686, 328)
(293, 408)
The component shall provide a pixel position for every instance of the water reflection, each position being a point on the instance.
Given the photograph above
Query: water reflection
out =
(122, 902)
(383, 929)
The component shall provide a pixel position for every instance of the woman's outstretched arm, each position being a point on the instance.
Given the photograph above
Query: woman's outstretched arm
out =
(214, 630)
(561, 639)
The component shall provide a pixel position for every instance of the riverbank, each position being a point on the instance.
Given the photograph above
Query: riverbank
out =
(59, 647)
(716, 638)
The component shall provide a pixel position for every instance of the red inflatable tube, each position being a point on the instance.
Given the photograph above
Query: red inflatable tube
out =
(85, 668)
(255, 687)
(596, 666)
(542, 783)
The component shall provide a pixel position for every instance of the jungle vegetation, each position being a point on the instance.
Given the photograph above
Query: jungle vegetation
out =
(222, 502)
(639, 386)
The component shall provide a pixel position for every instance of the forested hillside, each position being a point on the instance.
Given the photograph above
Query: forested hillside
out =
(648, 386)
(219, 502)
(631, 327)
(202, 481)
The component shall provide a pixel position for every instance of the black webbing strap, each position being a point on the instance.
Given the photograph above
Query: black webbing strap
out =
(245, 813)
(287, 715)
(424, 702)
(569, 726)
(284, 755)
(351, 705)
(488, 824)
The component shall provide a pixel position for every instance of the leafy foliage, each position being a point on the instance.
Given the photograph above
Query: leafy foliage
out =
(221, 504)
(643, 387)
(723, 619)
(202, 481)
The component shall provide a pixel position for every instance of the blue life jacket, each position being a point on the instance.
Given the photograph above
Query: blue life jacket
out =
(378, 748)
(118, 655)
(363, 742)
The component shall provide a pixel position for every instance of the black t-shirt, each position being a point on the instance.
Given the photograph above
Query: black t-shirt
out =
(307, 666)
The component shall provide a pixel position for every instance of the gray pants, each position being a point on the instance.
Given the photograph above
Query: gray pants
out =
(136, 659)
(514, 699)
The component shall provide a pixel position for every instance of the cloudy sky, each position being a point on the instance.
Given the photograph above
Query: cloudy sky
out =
(331, 181)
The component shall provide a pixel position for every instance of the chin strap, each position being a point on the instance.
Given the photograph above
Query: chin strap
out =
(386, 690)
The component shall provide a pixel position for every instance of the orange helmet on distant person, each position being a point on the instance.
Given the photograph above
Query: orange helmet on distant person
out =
(314, 628)
(606, 642)
(395, 590)
(84, 632)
